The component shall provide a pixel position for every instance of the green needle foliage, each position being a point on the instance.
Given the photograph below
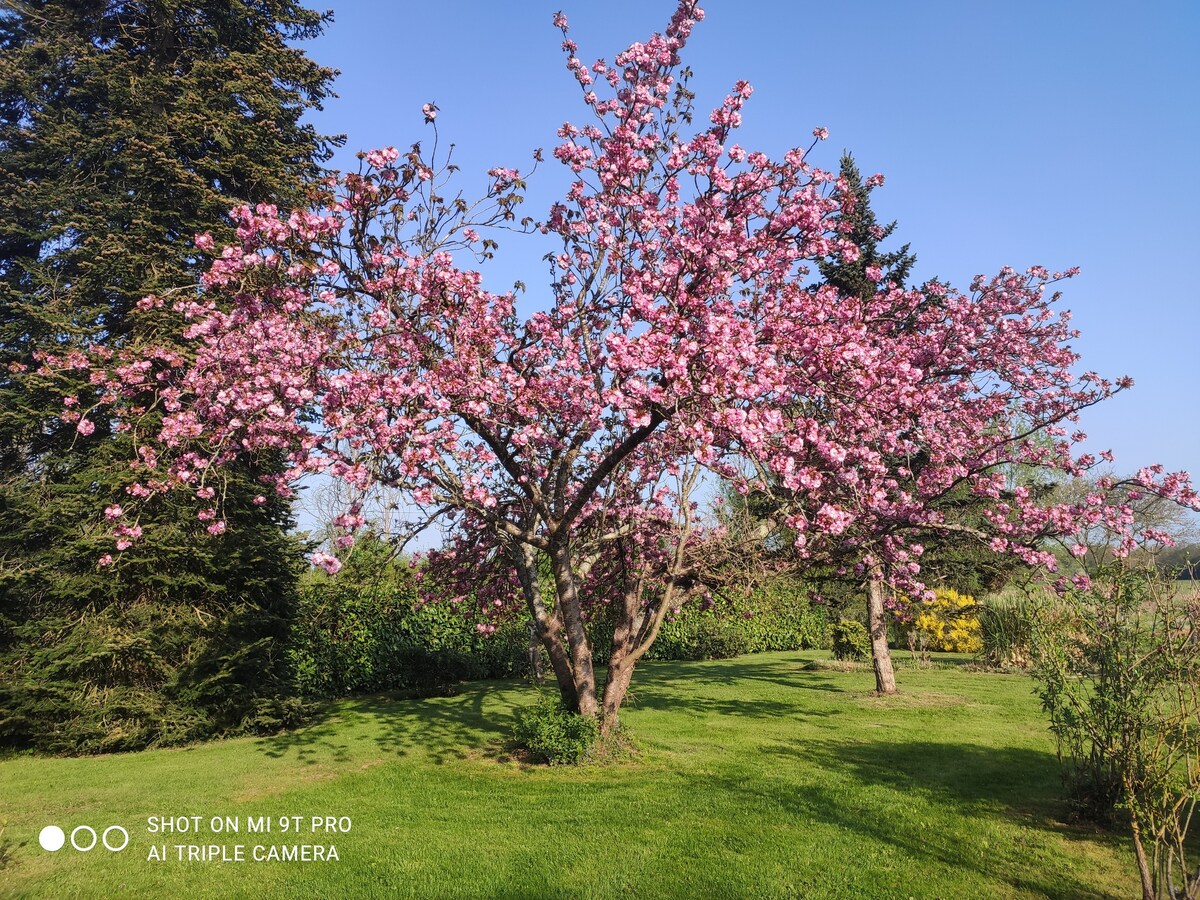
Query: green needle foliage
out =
(126, 127)
(859, 225)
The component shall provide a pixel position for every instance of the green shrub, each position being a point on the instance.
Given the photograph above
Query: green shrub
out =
(775, 616)
(365, 631)
(553, 734)
(1117, 664)
(851, 641)
(720, 639)
(353, 637)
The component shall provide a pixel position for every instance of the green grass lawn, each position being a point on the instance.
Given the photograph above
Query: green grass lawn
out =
(766, 775)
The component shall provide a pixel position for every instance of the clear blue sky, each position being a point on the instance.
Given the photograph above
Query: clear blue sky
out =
(1011, 133)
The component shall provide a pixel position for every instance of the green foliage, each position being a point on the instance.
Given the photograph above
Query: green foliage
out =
(553, 734)
(861, 227)
(1120, 681)
(776, 615)
(125, 128)
(366, 631)
(851, 640)
(353, 637)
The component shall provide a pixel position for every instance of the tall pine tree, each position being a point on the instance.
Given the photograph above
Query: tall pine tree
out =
(858, 224)
(126, 127)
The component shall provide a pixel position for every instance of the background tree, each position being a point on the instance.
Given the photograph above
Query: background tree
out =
(126, 126)
(950, 556)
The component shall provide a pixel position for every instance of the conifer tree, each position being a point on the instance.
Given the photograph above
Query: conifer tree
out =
(859, 225)
(126, 127)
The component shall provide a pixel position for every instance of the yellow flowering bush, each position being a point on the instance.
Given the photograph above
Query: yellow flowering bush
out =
(950, 622)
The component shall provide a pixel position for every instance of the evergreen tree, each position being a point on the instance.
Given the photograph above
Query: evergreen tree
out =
(126, 127)
(858, 224)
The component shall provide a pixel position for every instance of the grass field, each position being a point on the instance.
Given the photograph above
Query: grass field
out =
(768, 775)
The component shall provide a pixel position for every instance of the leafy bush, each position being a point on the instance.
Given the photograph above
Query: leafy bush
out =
(851, 640)
(365, 630)
(779, 616)
(720, 639)
(553, 734)
(1121, 685)
(354, 636)
(774, 617)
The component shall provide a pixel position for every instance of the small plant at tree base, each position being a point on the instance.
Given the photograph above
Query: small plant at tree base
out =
(1120, 679)
(851, 641)
(554, 734)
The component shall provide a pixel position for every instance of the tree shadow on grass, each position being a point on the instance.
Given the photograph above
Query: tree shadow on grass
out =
(441, 728)
(1018, 785)
(779, 673)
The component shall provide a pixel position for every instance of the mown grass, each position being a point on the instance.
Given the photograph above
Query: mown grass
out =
(767, 775)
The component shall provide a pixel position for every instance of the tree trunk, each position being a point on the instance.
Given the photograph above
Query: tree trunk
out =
(881, 656)
(616, 686)
(635, 631)
(548, 625)
(535, 654)
(1142, 862)
(567, 592)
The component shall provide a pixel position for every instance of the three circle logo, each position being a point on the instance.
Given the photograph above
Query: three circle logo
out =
(114, 838)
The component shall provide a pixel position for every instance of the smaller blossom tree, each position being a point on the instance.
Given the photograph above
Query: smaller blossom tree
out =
(931, 392)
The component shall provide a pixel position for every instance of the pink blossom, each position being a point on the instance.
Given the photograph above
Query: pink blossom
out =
(330, 564)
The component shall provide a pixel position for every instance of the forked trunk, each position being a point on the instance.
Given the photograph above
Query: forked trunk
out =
(636, 629)
(881, 656)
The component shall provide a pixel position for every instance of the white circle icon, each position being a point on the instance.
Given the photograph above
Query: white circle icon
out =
(89, 830)
(52, 838)
(109, 830)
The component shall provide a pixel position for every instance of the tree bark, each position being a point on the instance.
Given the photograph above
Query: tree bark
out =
(567, 592)
(881, 656)
(635, 631)
(548, 625)
(535, 654)
(1143, 863)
